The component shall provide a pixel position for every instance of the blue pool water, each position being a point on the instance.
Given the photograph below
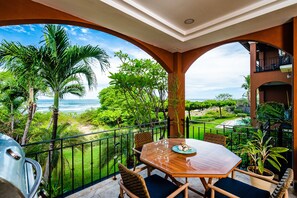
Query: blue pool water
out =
(231, 123)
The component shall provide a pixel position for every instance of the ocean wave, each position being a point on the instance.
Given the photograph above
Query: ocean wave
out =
(78, 105)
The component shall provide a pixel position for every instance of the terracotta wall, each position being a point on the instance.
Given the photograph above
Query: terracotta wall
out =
(277, 93)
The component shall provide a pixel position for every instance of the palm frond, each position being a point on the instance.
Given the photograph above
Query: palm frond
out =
(75, 89)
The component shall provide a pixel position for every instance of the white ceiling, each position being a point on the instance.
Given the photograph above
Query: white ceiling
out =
(161, 22)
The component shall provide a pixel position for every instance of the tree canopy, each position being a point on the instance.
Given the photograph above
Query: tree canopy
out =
(140, 87)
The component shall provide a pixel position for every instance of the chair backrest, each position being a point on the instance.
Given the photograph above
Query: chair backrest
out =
(133, 182)
(142, 138)
(215, 138)
(283, 184)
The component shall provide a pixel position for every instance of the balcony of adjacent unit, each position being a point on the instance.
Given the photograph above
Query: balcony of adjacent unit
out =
(275, 63)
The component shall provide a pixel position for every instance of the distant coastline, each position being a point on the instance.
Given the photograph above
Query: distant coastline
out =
(68, 105)
(197, 99)
(77, 105)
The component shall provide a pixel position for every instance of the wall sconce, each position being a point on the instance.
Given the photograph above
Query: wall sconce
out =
(286, 69)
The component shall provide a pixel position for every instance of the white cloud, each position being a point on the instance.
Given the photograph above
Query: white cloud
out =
(31, 27)
(220, 70)
(84, 30)
(82, 38)
(15, 28)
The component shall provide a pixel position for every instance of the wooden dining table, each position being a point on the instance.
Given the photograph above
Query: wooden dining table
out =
(209, 161)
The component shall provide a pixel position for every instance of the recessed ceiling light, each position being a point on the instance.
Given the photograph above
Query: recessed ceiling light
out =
(189, 21)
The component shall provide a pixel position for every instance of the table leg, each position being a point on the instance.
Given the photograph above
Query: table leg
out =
(203, 181)
(196, 191)
(190, 188)
(209, 180)
(172, 179)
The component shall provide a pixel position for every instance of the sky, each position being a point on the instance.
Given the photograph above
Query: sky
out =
(220, 70)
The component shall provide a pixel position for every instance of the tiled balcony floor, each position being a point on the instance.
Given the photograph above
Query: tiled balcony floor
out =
(110, 188)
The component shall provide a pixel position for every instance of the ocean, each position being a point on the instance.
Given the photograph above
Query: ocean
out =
(75, 105)
(68, 105)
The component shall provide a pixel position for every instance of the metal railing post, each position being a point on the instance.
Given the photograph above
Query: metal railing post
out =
(280, 136)
(92, 164)
(82, 166)
(187, 127)
(72, 169)
(168, 127)
(204, 126)
(115, 155)
(62, 164)
(50, 173)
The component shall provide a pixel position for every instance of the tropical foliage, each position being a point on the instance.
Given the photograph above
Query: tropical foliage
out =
(272, 111)
(23, 62)
(12, 96)
(63, 65)
(246, 85)
(223, 100)
(260, 150)
(141, 85)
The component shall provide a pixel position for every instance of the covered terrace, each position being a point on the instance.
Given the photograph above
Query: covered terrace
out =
(175, 34)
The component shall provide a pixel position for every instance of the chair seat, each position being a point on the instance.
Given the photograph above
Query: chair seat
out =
(239, 189)
(159, 187)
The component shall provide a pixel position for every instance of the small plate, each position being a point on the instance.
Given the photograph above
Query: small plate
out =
(190, 151)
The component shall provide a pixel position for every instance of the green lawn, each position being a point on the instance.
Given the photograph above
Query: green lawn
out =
(197, 130)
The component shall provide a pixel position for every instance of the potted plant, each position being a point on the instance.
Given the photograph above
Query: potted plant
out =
(261, 152)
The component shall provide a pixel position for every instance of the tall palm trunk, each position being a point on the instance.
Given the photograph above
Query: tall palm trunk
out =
(31, 111)
(48, 167)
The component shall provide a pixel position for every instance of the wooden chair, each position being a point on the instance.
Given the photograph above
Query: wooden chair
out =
(229, 187)
(139, 140)
(134, 185)
(215, 138)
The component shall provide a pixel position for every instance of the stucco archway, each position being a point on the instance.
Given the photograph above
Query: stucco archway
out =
(176, 64)
(18, 13)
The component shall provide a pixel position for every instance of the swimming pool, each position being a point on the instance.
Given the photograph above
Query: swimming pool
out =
(231, 123)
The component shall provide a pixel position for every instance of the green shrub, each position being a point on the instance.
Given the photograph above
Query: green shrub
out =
(216, 114)
(238, 110)
(241, 115)
(270, 110)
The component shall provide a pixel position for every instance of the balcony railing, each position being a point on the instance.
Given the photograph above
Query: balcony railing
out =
(273, 63)
(238, 135)
(81, 161)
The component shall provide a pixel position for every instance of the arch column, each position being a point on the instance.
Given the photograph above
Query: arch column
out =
(294, 87)
(253, 87)
(176, 96)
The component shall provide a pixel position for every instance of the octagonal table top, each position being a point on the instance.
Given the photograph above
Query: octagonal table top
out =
(210, 160)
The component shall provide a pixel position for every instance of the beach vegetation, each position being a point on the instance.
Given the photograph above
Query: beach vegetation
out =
(246, 85)
(63, 65)
(141, 88)
(23, 62)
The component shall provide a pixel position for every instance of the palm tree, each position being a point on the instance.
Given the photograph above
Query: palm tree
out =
(246, 86)
(63, 66)
(12, 96)
(23, 61)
